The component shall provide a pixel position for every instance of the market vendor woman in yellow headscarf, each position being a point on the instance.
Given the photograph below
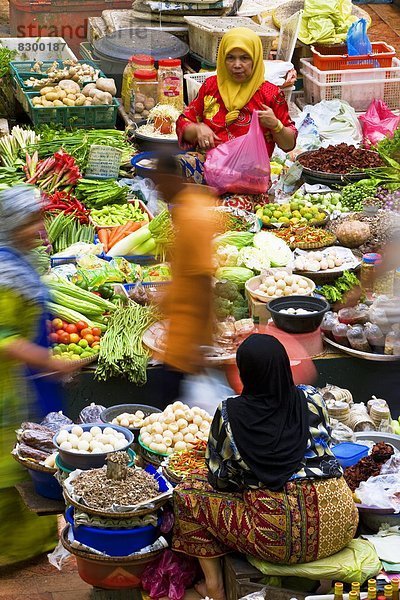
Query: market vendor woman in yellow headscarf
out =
(224, 105)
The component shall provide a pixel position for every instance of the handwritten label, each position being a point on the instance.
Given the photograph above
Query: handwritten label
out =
(103, 162)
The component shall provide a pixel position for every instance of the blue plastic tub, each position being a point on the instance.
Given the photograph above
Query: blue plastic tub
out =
(46, 485)
(349, 453)
(114, 542)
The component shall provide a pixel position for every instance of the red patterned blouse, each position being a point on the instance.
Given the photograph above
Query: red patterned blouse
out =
(209, 108)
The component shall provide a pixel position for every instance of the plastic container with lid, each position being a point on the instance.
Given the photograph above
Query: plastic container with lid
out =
(144, 93)
(170, 82)
(135, 63)
(368, 270)
(349, 453)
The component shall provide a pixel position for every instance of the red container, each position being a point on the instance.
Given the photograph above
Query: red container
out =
(58, 18)
(335, 58)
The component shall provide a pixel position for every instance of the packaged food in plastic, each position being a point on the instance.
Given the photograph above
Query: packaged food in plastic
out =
(392, 341)
(375, 338)
(353, 316)
(25, 451)
(339, 333)
(56, 420)
(328, 323)
(91, 413)
(35, 438)
(29, 425)
(358, 339)
(169, 575)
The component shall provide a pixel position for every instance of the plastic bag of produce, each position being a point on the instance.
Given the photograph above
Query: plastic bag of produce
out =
(170, 575)
(378, 122)
(381, 491)
(91, 413)
(357, 39)
(56, 420)
(240, 166)
(357, 562)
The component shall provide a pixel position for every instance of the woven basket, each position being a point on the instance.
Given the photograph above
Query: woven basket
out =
(33, 466)
(205, 34)
(329, 241)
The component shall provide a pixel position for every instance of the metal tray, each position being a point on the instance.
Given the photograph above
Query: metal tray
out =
(338, 178)
(363, 355)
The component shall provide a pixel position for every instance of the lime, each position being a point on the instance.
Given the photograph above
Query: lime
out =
(56, 351)
(283, 220)
(277, 214)
(83, 343)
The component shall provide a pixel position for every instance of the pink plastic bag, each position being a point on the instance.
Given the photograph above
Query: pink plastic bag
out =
(378, 122)
(170, 575)
(240, 166)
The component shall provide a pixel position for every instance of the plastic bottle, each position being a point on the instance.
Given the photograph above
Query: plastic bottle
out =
(136, 62)
(170, 82)
(368, 271)
(375, 338)
(339, 333)
(338, 594)
(358, 339)
(355, 587)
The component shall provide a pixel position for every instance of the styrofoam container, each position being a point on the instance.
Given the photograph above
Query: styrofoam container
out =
(39, 48)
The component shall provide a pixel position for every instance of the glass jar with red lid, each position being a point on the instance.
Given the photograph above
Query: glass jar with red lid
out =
(170, 82)
(144, 93)
(135, 63)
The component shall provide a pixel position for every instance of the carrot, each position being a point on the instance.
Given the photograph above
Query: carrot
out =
(123, 231)
(103, 235)
(116, 232)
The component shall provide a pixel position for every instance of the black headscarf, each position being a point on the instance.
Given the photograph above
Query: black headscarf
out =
(269, 421)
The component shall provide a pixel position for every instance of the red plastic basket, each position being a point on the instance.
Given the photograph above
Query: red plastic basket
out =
(335, 58)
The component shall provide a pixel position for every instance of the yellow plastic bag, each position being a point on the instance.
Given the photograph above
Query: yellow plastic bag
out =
(326, 21)
(357, 562)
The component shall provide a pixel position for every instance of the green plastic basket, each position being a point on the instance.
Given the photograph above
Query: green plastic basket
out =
(86, 117)
(21, 70)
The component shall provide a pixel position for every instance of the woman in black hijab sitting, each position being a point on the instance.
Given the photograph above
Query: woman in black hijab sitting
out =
(275, 490)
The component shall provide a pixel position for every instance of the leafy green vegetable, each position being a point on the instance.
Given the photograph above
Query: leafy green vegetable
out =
(273, 248)
(235, 238)
(238, 275)
(253, 258)
(6, 56)
(336, 291)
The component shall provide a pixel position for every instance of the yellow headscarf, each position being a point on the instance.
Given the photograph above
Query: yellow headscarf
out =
(236, 95)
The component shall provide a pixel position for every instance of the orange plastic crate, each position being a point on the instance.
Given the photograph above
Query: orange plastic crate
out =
(335, 58)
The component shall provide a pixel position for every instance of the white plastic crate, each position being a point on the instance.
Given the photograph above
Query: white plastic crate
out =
(206, 33)
(350, 75)
(194, 81)
(39, 48)
(359, 94)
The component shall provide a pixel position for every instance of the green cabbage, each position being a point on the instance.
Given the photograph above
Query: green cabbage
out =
(235, 238)
(238, 275)
(273, 248)
(254, 259)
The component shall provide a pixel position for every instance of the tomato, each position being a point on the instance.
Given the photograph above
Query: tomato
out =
(60, 332)
(64, 338)
(57, 324)
(96, 337)
(96, 331)
(86, 331)
(53, 337)
(81, 325)
(65, 325)
(71, 328)
(74, 338)
(89, 338)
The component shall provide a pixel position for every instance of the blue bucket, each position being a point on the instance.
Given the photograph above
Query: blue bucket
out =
(46, 485)
(114, 542)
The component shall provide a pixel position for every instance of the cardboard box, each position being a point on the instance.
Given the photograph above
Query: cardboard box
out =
(258, 310)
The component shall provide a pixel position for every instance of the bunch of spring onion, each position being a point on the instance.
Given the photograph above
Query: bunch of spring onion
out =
(64, 230)
(12, 145)
(121, 352)
(152, 239)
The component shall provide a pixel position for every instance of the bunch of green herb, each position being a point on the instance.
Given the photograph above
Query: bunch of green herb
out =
(335, 292)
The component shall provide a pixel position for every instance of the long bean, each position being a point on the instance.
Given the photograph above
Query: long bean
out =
(122, 353)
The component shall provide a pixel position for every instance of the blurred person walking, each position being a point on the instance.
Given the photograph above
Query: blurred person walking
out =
(188, 305)
(23, 316)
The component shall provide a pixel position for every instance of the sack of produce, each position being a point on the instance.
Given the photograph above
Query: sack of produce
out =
(240, 166)
(353, 233)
